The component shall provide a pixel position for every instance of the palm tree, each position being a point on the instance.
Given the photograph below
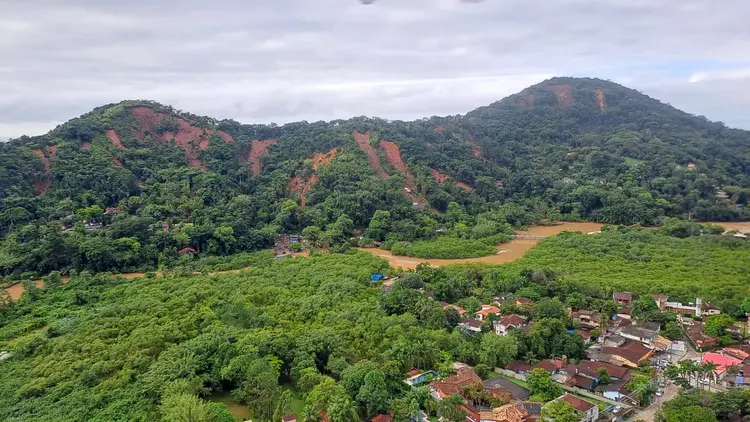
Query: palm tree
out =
(708, 370)
(450, 408)
(342, 409)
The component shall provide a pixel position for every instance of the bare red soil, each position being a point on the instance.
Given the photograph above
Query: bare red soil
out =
(115, 139)
(52, 150)
(527, 102)
(464, 186)
(564, 94)
(438, 176)
(42, 185)
(440, 129)
(39, 153)
(477, 153)
(600, 99)
(300, 186)
(188, 136)
(363, 143)
(258, 149)
(86, 146)
(116, 161)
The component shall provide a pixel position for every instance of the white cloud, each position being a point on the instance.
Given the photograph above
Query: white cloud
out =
(296, 59)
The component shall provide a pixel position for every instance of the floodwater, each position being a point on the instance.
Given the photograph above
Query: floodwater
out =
(740, 226)
(508, 252)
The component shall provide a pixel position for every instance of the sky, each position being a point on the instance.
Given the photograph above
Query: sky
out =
(262, 61)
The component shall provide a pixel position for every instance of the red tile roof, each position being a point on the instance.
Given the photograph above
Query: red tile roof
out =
(580, 381)
(455, 384)
(632, 351)
(581, 405)
(523, 300)
(488, 309)
(382, 418)
(546, 365)
(721, 360)
(623, 296)
(513, 319)
(289, 418)
(518, 366)
(590, 368)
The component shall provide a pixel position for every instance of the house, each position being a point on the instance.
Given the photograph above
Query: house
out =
(417, 377)
(697, 309)
(630, 354)
(289, 418)
(589, 412)
(617, 324)
(379, 418)
(615, 340)
(546, 365)
(187, 251)
(721, 360)
(582, 382)
(697, 336)
(518, 367)
(508, 413)
(486, 310)
(459, 309)
(509, 322)
(585, 335)
(472, 413)
(586, 318)
(661, 344)
(454, 384)
(741, 352)
(622, 298)
(471, 325)
(516, 391)
(591, 369)
(639, 334)
(522, 301)
(614, 390)
(624, 313)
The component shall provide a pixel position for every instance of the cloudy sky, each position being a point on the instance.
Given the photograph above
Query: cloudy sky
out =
(260, 61)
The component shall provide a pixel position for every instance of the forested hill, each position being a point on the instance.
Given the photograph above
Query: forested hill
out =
(159, 179)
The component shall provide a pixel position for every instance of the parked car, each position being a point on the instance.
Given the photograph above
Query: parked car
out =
(659, 393)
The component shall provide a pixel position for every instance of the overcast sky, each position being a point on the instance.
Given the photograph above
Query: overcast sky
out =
(260, 61)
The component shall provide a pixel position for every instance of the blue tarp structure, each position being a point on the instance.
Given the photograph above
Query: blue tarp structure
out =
(377, 277)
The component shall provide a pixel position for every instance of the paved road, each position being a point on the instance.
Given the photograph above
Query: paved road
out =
(648, 414)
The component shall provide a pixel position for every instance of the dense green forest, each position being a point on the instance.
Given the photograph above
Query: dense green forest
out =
(128, 186)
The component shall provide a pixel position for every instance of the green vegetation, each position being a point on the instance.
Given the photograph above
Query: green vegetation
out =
(693, 405)
(444, 247)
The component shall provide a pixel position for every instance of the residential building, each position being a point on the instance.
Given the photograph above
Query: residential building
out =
(622, 298)
(290, 418)
(586, 318)
(697, 336)
(486, 310)
(508, 413)
(625, 313)
(639, 334)
(379, 418)
(471, 325)
(615, 390)
(454, 384)
(615, 340)
(630, 354)
(721, 360)
(417, 377)
(697, 309)
(518, 367)
(522, 301)
(509, 322)
(589, 412)
(459, 309)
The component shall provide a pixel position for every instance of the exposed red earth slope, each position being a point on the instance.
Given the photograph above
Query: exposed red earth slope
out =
(42, 185)
(464, 186)
(438, 176)
(564, 94)
(600, 99)
(115, 139)
(258, 149)
(363, 143)
(189, 137)
(86, 146)
(300, 186)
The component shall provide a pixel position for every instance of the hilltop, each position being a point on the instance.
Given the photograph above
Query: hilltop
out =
(164, 179)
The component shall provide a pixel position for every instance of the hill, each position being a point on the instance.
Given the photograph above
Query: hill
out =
(150, 180)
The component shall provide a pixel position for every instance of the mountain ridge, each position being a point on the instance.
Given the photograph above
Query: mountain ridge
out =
(567, 148)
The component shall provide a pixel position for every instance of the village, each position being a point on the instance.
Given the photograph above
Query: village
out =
(619, 350)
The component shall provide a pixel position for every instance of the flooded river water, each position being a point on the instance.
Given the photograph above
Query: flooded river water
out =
(508, 252)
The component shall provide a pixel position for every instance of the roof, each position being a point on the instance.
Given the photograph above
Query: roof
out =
(661, 343)
(382, 418)
(507, 413)
(737, 352)
(660, 298)
(516, 391)
(721, 360)
(588, 367)
(518, 366)
(618, 385)
(624, 311)
(581, 405)
(632, 351)
(446, 305)
(546, 365)
(534, 409)
(289, 418)
(471, 322)
(414, 372)
(623, 296)
(580, 381)
(455, 383)
(488, 309)
(377, 277)
(512, 319)
(639, 332)
(187, 251)
(523, 300)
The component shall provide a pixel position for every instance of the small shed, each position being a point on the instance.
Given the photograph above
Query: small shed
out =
(377, 277)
